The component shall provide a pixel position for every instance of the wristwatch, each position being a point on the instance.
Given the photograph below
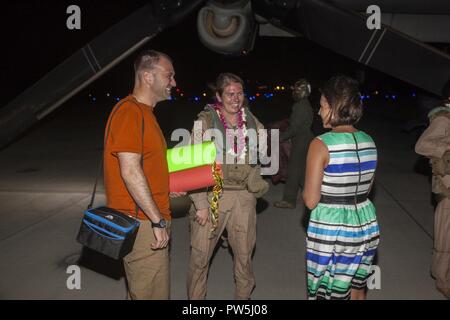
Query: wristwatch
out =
(161, 224)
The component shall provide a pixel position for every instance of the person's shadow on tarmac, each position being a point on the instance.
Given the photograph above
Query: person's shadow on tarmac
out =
(102, 264)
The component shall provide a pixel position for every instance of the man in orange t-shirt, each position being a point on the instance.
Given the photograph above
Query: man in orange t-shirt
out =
(136, 174)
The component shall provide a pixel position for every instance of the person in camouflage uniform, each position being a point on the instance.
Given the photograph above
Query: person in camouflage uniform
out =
(242, 184)
(299, 131)
(434, 143)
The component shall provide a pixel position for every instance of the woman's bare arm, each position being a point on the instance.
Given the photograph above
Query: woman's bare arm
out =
(317, 160)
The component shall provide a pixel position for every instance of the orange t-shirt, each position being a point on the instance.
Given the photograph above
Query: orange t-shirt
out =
(125, 135)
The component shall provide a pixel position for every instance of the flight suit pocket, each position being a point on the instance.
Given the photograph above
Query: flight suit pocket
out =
(236, 174)
(199, 235)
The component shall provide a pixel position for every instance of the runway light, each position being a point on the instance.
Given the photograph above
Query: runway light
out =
(277, 87)
(413, 94)
(394, 97)
(181, 95)
(108, 95)
(257, 94)
(117, 99)
(282, 88)
(177, 89)
(375, 93)
(204, 94)
(94, 99)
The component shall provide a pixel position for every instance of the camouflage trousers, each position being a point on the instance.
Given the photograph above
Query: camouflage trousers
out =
(440, 267)
(237, 214)
(147, 270)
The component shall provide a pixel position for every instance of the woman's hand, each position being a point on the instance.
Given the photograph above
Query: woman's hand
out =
(202, 216)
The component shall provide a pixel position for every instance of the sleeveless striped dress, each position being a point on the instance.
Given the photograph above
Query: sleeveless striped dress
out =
(343, 232)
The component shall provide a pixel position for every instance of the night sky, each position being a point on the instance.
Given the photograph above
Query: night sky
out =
(36, 39)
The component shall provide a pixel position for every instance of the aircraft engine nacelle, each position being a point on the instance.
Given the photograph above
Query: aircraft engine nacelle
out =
(227, 28)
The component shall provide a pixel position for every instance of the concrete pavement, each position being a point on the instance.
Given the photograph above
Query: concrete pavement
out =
(46, 177)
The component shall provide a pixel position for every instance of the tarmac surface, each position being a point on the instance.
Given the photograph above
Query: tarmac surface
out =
(45, 183)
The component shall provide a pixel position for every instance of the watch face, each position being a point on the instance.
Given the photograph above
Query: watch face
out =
(161, 224)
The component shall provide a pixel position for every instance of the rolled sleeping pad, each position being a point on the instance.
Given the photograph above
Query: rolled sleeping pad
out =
(192, 179)
(191, 156)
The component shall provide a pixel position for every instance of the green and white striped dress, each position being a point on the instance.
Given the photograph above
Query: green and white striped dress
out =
(343, 232)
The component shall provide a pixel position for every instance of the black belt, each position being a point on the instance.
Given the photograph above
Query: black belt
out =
(347, 200)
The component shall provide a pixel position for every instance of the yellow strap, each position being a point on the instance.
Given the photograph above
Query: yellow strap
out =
(217, 190)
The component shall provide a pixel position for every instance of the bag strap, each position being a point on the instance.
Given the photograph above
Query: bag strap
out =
(100, 167)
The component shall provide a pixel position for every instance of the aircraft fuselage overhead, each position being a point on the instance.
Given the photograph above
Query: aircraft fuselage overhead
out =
(389, 36)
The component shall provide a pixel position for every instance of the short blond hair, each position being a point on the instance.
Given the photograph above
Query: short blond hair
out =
(148, 59)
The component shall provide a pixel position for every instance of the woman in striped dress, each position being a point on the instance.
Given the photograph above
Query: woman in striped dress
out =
(343, 232)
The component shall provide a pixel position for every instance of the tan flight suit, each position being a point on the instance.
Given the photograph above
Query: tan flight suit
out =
(237, 214)
(434, 142)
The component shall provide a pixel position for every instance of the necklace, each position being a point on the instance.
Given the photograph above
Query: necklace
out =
(237, 148)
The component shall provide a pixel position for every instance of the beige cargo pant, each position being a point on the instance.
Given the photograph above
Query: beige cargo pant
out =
(147, 270)
(237, 213)
(440, 267)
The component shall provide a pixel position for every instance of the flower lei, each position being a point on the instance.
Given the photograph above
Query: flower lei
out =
(239, 149)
